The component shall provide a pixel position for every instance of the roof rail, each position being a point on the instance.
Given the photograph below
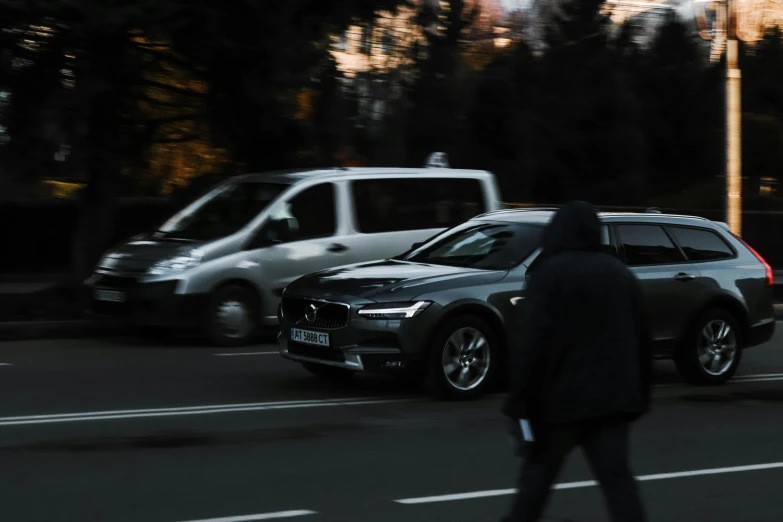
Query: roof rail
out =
(653, 210)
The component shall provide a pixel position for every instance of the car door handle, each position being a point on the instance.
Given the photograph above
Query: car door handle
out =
(684, 277)
(337, 247)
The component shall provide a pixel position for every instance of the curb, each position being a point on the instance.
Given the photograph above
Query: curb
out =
(29, 330)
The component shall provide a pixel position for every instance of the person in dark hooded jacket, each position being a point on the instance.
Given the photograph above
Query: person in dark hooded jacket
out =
(580, 366)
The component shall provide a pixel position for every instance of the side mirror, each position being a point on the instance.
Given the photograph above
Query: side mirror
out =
(279, 231)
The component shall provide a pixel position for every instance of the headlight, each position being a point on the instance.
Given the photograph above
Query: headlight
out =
(177, 263)
(393, 310)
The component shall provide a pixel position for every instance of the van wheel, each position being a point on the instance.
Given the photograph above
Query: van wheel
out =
(463, 359)
(233, 316)
(712, 350)
(331, 373)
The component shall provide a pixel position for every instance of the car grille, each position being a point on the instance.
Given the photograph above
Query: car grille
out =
(329, 316)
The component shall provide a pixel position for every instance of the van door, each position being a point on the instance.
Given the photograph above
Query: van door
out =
(390, 214)
(314, 238)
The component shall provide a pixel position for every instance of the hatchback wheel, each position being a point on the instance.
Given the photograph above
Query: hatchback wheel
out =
(233, 316)
(463, 358)
(712, 351)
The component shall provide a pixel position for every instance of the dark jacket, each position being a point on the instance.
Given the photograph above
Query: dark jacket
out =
(581, 348)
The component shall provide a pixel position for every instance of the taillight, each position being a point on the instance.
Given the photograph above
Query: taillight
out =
(770, 276)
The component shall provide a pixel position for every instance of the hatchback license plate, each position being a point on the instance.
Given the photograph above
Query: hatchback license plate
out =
(115, 296)
(309, 337)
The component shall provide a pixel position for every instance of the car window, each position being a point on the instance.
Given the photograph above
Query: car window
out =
(311, 213)
(647, 245)
(701, 244)
(487, 246)
(397, 204)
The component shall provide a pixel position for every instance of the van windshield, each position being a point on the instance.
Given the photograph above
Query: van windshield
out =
(222, 211)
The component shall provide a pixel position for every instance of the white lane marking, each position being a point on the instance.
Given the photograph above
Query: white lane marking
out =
(260, 516)
(762, 377)
(5, 364)
(192, 410)
(591, 483)
(245, 353)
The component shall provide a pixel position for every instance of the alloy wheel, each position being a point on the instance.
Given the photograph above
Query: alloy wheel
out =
(717, 347)
(466, 359)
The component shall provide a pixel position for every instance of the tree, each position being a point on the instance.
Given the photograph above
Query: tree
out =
(435, 112)
(762, 123)
(683, 110)
(588, 142)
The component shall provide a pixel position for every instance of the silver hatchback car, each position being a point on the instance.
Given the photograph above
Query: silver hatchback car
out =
(222, 262)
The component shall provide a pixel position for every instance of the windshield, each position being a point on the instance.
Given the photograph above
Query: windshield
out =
(222, 211)
(481, 245)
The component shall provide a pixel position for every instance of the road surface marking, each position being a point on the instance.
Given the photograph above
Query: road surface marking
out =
(5, 364)
(192, 410)
(762, 377)
(260, 516)
(591, 483)
(245, 353)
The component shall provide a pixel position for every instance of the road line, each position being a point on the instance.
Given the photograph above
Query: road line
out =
(591, 483)
(245, 353)
(260, 516)
(5, 364)
(762, 377)
(193, 410)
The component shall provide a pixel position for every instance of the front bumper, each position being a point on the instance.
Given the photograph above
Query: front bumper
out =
(153, 303)
(366, 345)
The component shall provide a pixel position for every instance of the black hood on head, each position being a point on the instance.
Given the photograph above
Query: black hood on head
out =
(574, 227)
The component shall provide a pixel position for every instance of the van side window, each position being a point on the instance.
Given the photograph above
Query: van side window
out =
(397, 204)
(313, 211)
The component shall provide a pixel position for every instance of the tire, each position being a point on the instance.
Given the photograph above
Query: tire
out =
(450, 359)
(330, 373)
(702, 362)
(233, 315)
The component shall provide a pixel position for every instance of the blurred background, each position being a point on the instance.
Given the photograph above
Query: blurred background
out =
(112, 114)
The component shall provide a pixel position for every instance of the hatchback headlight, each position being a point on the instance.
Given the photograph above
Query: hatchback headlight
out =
(393, 310)
(177, 263)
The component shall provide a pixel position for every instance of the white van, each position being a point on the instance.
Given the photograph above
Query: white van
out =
(222, 262)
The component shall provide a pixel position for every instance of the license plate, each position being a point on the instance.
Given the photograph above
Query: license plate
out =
(115, 296)
(309, 337)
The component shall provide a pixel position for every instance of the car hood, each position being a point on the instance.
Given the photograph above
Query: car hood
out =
(389, 280)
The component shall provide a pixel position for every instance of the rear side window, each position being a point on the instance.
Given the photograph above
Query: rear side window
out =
(701, 245)
(396, 204)
(647, 245)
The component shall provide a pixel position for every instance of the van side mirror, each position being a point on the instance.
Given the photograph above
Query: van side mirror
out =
(279, 231)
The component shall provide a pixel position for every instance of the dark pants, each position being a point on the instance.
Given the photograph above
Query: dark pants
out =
(605, 443)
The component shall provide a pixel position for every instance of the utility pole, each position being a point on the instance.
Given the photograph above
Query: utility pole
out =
(733, 123)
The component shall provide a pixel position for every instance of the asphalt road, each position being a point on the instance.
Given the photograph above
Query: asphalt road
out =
(120, 430)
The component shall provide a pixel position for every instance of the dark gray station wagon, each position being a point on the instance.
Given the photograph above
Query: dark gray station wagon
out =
(439, 310)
